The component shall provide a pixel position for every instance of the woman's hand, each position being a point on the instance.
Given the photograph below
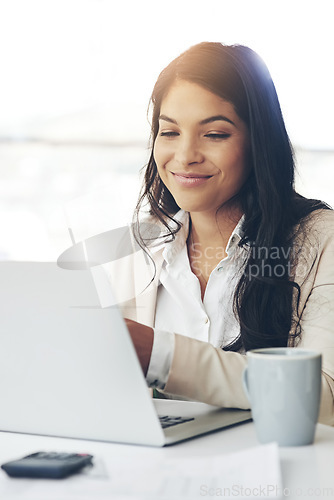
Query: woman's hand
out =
(142, 338)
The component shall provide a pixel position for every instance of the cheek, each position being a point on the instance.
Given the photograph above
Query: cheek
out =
(155, 150)
(162, 153)
(158, 158)
(235, 161)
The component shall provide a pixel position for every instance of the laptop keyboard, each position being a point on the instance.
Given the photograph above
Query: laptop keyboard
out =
(167, 421)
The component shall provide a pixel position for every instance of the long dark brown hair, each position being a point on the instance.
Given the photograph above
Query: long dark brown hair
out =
(272, 208)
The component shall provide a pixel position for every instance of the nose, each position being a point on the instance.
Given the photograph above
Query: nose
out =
(188, 151)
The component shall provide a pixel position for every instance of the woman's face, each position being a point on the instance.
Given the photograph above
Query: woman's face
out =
(201, 149)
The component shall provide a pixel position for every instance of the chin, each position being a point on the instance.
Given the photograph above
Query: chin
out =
(193, 207)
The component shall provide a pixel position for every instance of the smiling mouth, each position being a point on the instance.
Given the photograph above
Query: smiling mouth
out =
(191, 175)
(191, 179)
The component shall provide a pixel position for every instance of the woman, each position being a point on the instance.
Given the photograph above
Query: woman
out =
(242, 260)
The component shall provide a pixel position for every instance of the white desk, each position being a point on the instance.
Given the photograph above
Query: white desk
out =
(308, 471)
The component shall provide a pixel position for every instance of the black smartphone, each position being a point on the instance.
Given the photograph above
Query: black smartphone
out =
(50, 465)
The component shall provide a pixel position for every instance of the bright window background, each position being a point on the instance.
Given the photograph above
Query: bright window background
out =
(76, 77)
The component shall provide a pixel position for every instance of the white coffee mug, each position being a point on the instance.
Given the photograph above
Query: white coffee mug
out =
(283, 386)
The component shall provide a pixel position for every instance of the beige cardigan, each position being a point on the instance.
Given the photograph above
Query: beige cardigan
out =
(202, 372)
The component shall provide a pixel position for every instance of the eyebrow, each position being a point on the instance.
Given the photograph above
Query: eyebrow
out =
(211, 119)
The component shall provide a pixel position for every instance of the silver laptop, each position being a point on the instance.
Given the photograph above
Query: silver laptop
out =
(68, 367)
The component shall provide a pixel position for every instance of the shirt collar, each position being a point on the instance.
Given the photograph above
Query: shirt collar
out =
(172, 248)
(236, 235)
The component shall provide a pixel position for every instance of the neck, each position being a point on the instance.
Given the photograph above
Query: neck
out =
(213, 229)
(208, 237)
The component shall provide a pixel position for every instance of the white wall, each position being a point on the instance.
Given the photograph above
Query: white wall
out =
(76, 76)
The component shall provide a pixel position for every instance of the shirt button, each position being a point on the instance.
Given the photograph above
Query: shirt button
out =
(206, 321)
(233, 239)
(220, 268)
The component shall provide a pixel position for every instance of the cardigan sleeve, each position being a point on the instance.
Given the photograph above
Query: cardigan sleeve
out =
(204, 373)
(317, 320)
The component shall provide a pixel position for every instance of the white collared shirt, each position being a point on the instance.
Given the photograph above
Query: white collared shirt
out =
(180, 308)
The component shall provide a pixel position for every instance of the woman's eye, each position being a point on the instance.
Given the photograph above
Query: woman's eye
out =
(217, 136)
(168, 134)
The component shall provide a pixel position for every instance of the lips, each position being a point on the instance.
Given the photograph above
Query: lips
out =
(190, 175)
(190, 179)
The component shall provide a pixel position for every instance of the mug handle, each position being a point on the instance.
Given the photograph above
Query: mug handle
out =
(245, 383)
